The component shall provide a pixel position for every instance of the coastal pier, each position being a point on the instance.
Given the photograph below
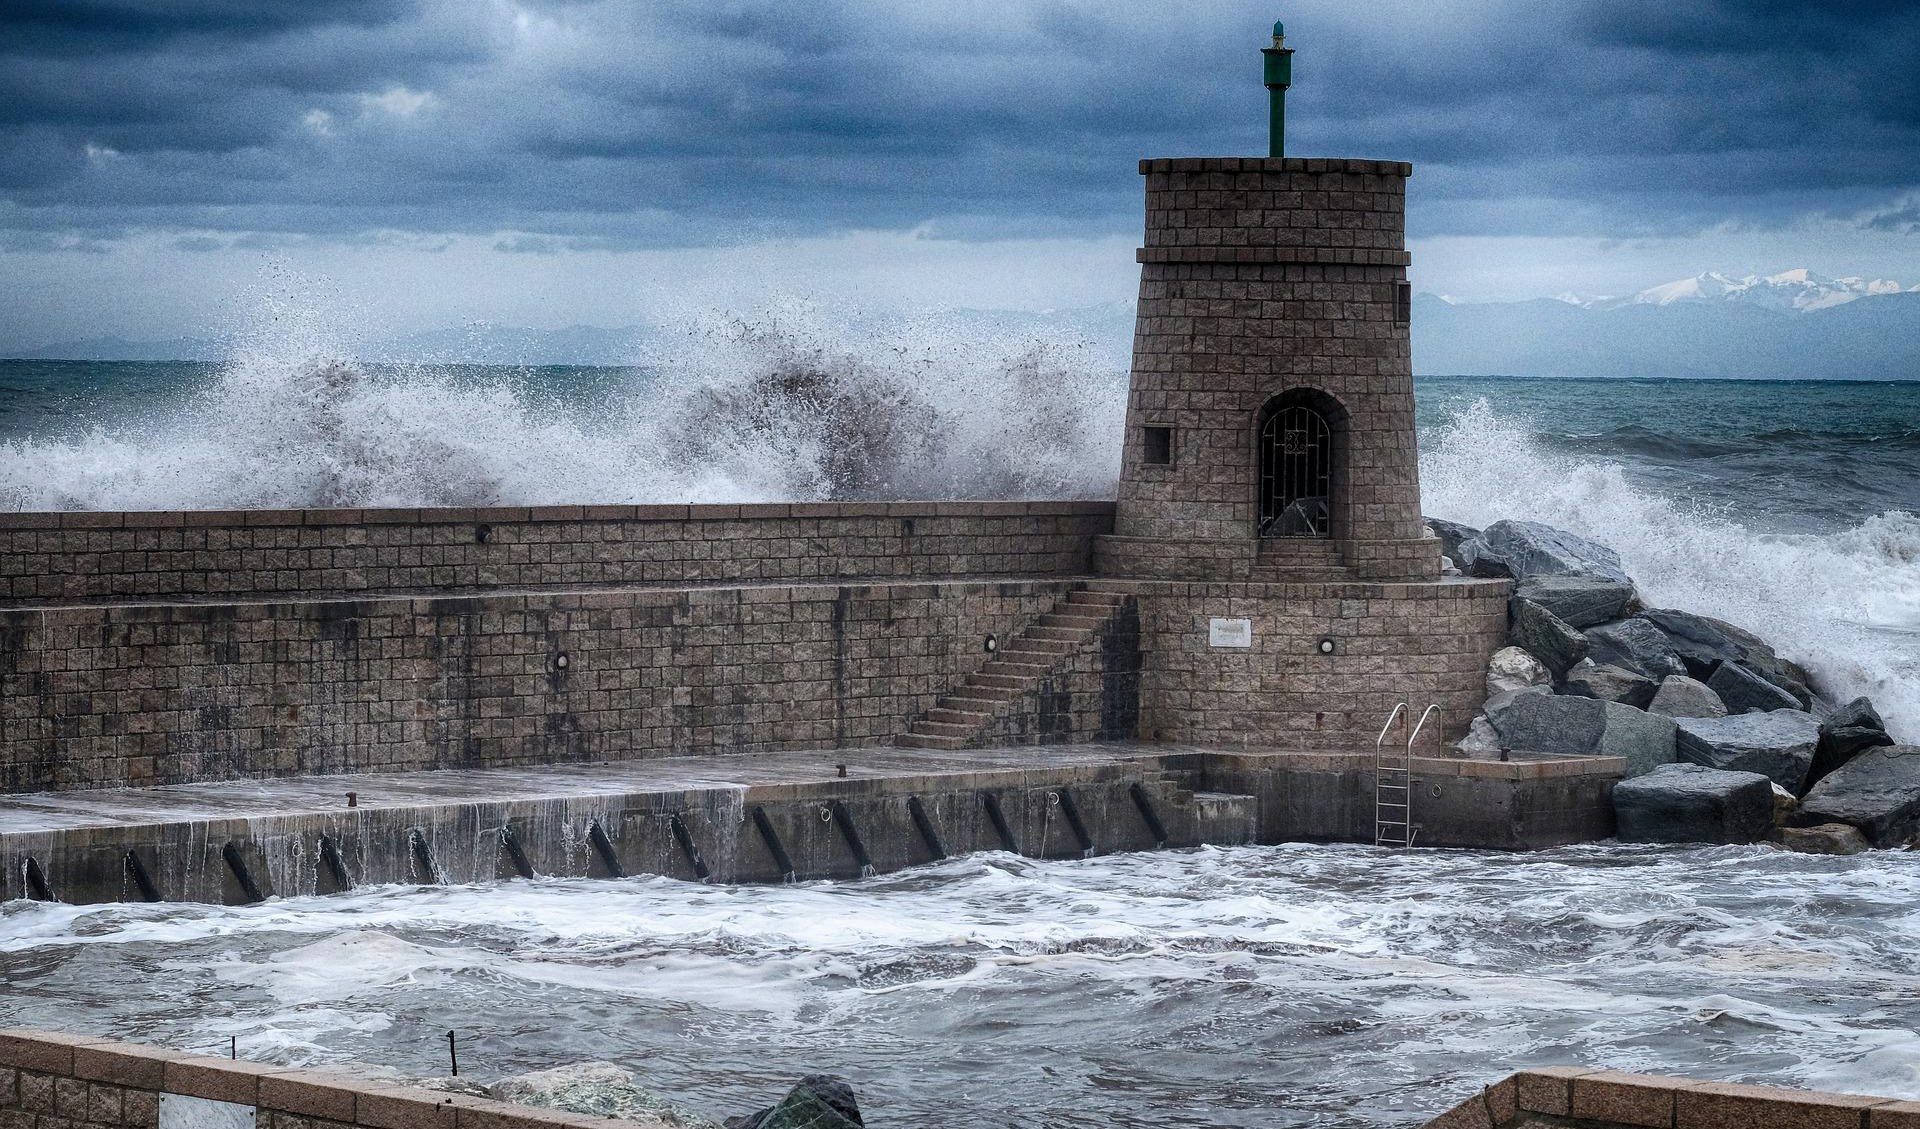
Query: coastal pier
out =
(224, 706)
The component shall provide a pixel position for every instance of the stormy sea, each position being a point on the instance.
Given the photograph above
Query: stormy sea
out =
(1296, 985)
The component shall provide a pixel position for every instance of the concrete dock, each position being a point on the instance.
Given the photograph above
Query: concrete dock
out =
(756, 817)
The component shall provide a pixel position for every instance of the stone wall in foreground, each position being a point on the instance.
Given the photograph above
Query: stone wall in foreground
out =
(54, 1081)
(1570, 1097)
(60, 558)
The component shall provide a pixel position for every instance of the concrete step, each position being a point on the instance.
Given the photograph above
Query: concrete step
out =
(1045, 660)
(919, 741)
(946, 713)
(1050, 648)
(1009, 682)
(1069, 635)
(1082, 623)
(929, 728)
(1271, 575)
(1017, 668)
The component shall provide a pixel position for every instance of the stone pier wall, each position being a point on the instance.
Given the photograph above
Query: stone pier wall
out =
(58, 558)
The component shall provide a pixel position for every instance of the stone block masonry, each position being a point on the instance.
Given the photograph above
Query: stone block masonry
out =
(59, 1081)
(56, 558)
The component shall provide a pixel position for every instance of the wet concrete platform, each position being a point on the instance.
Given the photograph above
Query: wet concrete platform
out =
(758, 817)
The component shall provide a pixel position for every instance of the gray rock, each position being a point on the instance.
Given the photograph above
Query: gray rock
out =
(1527, 548)
(1481, 742)
(1877, 791)
(1778, 745)
(1681, 696)
(601, 1089)
(1846, 733)
(1545, 636)
(1583, 601)
(1512, 668)
(1539, 721)
(1703, 642)
(1636, 645)
(1784, 805)
(820, 1101)
(1743, 691)
(1687, 803)
(1826, 839)
(1589, 679)
(1451, 535)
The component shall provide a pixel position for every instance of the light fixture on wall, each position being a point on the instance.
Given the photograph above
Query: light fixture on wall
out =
(560, 661)
(1326, 646)
(992, 644)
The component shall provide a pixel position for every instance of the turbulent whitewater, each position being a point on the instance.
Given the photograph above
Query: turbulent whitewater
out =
(1298, 985)
(1786, 507)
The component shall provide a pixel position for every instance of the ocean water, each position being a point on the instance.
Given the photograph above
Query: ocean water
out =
(1327, 986)
(1787, 507)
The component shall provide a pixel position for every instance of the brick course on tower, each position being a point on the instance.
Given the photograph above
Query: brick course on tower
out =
(1263, 277)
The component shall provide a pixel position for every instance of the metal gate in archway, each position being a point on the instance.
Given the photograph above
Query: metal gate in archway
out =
(1296, 474)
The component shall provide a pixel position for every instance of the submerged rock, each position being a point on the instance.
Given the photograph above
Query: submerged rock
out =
(1583, 601)
(1745, 692)
(1539, 721)
(1877, 791)
(1636, 645)
(1589, 679)
(1681, 696)
(1556, 643)
(819, 1101)
(1778, 745)
(1521, 549)
(1512, 668)
(1702, 642)
(598, 1088)
(1689, 803)
(1846, 733)
(1825, 839)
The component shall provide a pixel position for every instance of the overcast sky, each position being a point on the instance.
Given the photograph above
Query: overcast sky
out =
(168, 167)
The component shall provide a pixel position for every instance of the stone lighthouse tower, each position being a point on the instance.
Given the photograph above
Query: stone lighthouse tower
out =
(1270, 427)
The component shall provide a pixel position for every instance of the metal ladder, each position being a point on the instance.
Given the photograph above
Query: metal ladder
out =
(1393, 783)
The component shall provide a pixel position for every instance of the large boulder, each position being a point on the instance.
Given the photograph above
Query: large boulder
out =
(1520, 549)
(1703, 642)
(1451, 534)
(1778, 745)
(1687, 803)
(820, 1101)
(1877, 791)
(601, 1089)
(1743, 691)
(1555, 642)
(1681, 696)
(1583, 601)
(1636, 645)
(1539, 721)
(1590, 679)
(1846, 733)
(1512, 668)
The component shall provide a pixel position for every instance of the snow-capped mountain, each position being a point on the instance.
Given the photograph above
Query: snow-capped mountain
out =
(1798, 289)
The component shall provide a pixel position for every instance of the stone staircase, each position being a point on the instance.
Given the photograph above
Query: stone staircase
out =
(1300, 560)
(962, 716)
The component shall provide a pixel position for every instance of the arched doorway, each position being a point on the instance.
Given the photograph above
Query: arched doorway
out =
(1298, 468)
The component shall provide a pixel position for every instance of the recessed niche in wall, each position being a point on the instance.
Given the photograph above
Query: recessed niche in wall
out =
(1158, 446)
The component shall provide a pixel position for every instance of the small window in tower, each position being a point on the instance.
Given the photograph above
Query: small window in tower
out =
(1159, 446)
(1403, 303)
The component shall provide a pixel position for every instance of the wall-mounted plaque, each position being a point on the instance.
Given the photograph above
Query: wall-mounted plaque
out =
(1236, 633)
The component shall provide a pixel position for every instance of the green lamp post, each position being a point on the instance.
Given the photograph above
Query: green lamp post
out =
(1279, 77)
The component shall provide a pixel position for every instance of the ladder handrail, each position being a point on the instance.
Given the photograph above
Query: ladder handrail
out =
(1421, 724)
(1382, 739)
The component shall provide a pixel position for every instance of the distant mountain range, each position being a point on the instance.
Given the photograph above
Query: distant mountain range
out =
(1792, 325)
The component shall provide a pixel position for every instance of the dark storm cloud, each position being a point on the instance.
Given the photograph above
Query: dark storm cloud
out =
(603, 124)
